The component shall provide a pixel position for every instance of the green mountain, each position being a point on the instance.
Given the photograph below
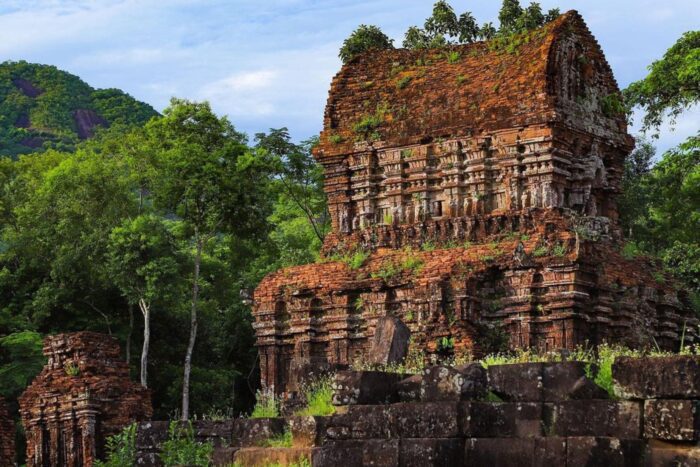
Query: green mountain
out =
(42, 107)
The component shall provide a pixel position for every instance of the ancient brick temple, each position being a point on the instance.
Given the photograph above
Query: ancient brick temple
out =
(481, 181)
(82, 396)
(7, 437)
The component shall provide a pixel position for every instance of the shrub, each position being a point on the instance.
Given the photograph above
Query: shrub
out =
(319, 397)
(452, 57)
(428, 246)
(335, 139)
(266, 405)
(121, 449)
(182, 449)
(541, 250)
(559, 250)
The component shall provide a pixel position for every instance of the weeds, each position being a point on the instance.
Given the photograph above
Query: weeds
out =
(319, 397)
(403, 82)
(181, 448)
(266, 405)
(282, 440)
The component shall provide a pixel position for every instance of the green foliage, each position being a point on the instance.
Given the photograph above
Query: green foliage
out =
(366, 127)
(559, 250)
(282, 440)
(403, 82)
(540, 250)
(266, 406)
(452, 57)
(428, 245)
(445, 344)
(319, 397)
(363, 39)
(121, 449)
(672, 85)
(21, 360)
(612, 106)
(181, 448)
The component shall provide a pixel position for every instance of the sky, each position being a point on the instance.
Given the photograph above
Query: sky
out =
(269, 63)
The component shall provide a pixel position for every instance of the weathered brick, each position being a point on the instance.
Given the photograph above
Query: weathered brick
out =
(251, 432)
(501, 419)
(531, 452)
(365, 387)
(370, 452)
(308, 431)
(660, 453)
(431, 452)
(7, 437)
(617, 419)
(442, 383)
(568, 380)
(425, 419)
(609, 452)
(362, 422)
(520, 382)
(672, 420)
(676, 377)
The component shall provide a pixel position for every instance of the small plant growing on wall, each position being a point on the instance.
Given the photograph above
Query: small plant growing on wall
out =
(452, 57)
(403, 82)
(71, 369)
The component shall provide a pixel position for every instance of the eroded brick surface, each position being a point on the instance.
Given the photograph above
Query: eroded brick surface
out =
(7, 437)
(485, 193)
(82, 396)
(676, 377)
(672, 420)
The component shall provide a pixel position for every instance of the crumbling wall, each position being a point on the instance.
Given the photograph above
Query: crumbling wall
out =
(7, 437)
(529, 414)
(82, 396)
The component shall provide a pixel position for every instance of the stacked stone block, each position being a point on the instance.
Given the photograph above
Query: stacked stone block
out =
(531, 414)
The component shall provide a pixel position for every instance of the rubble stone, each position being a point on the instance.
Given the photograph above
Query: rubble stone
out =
(616, 419)
(365, 387)
(441, 383)
(390, 341)
(676, 377)
(501, 419)
(672, 420)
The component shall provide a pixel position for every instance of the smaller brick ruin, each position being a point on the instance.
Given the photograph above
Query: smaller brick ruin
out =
(7, 437)
(82, 396)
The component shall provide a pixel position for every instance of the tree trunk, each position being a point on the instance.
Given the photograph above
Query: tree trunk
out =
(146, 311)
(193, 331)
(128, 336)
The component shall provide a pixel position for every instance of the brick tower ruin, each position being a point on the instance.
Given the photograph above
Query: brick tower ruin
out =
(7, 437)
(82, 396)
(473, 194)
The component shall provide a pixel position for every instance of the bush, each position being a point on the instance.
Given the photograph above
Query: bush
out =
(121, 449)
(283, 440)
(182, 449)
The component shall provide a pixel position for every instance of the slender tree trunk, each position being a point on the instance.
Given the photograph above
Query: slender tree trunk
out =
(193, 331)
(128, 336)
(146, 311)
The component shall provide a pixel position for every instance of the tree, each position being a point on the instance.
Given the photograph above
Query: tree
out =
(209, 180)
(143, 262)
(300, 176)
(634, 201)
(672, 85)
(363, 39)
(508, 15)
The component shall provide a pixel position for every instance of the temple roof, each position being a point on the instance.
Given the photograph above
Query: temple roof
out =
(400, 97)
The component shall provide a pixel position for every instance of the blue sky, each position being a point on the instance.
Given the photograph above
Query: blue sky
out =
(269, 63)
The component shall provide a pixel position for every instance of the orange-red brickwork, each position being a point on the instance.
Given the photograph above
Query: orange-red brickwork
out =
(481, 181)
(82, 396)
(7, 437)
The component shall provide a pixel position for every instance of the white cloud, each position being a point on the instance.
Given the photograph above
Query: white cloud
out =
(242, 93)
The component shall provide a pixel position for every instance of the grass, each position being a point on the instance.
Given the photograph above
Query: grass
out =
(540, 251)
(452, 57)
(319, 397)
(335, 139)
(266, 405)
(282, 440)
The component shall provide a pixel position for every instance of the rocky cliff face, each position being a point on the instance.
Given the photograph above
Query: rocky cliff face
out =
(473, 196)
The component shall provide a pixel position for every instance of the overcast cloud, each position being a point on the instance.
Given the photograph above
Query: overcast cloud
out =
(269, 63)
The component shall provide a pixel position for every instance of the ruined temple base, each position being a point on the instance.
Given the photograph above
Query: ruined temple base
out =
(531, 414)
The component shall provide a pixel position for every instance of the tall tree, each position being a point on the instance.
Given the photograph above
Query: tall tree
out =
(143, 261)
(209, 180)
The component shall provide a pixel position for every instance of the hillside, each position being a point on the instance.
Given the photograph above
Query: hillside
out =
(43, 107)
